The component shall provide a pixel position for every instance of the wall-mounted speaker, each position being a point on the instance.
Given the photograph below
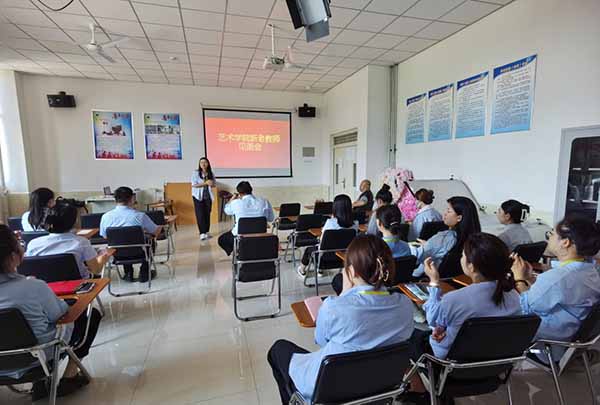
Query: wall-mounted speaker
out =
(61, 99)
(307, 112)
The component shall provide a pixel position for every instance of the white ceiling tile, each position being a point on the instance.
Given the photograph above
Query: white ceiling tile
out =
(155, 79)
(258, 73)
(243, 40)
(156, 31)
(354, 63)
(469, 12)
(281, 44)
(310, 76)
(367, 53)
(405, 26)
(168, 46)
(340, 17)
(302, 58)
(16, 3)
(341, 71)
(256, 63)
(432, 9)
(8, 30)
(203, 36)
(157, 14)
(181, 81)
(352, 37)
(246, 25)
(205, 82)
(395, 56)
(280, 11)
(110, 9)
(201, 69)
(202, 49)
(373, 22)
(139, 54)
(84, 37)
(23, 65)
(358, 4)
(121, 70)
(285, 75)
(135, 43)
(144, 64)
(120, 27)
(150, 72)
(231, 80)
(227, 70)
(41, 56)
(310, 48)
(21, 43)
(74, 58)
(396, 7)
(500, 1)
(94, 75)
(178, 75)
(385, 41)
(203, 20)
(70, 21)
(234, 52)
(88, 68)
(232, 62)
(55, 65)
(170, 3)
(256, 8)
(63, 47)
(206, 5)
(379, 62)
(338, 50)
(205, 76)
(327, 60)
(171, 58)
(439, 30)
(24, 16)
(205, 60)
(48, 34)
(415, 44)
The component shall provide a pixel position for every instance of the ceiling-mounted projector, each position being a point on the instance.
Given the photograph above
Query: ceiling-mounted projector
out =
(274, 63)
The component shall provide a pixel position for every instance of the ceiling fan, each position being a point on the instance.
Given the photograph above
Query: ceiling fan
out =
(277, 63)
(98, 49)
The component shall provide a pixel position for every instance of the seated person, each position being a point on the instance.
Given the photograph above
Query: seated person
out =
(383, 197)
(62, 239)
(42, 309)
(365, 199)
(564, 295)
(462, 219)
(244, 204)
(511, 213)
(426, 213)
(389, 219)
(125, 215)
(340, 219)
(41, 202)
(363, 317)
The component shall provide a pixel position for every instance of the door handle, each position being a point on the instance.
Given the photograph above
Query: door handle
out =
(344, 183)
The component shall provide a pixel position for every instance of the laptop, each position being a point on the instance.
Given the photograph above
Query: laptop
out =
(107, 191)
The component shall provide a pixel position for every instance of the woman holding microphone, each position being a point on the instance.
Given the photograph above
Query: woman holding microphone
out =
(202, 181)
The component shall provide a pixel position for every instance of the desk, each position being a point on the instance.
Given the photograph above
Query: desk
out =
(341, 255)
(463, 280)
(88, 233)
(302, 315)
(317, 232)
(83, 300)
(445, 287)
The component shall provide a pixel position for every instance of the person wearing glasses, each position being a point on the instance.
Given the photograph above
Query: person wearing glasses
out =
(564, 295)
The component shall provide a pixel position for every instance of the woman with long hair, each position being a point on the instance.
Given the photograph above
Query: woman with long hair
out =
(41, 201)
(202, 181)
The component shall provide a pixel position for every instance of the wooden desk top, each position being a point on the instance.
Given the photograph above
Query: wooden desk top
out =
(317, 232)
(292, 218)
(445, 287)
(88, 233)
(302, 315)
(463, 280)
(160, 204)
(83, 300)
(341, 255)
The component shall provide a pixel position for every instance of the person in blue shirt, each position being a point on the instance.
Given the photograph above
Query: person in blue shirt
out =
(41, 202)
(62, 239)
(462, 220)
(363, 317)
(125, 215)
(244, 204)
(383, 197)
(202, 181)
(564, 295)
(425, 214)
(389, 220)
(511, 214)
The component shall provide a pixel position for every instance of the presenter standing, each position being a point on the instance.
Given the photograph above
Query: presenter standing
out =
(202, 181)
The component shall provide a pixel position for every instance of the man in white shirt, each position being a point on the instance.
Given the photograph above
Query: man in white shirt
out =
(244, 205)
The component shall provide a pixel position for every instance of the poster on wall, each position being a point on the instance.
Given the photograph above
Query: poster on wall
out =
(162, 134)
(471, 103)
(113, 134)
(440, 113)
(415, 121)
(512, 96)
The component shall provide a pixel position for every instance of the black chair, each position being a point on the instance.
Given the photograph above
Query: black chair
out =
(480, 360)
(586, 338)
(360, 216)
(166, 234)
(286, 210)
(323, 208)
(132, 247)
(369, 376)
(50, 268)
(31, 235)
(252, 225)
(403, 232)
(256, 259)
(450, 265)
(404, 268)
(324, 257)
(531, 252)
(92, 221)
(15, 224)
(301, 237)
(20, 349)
(431, 228)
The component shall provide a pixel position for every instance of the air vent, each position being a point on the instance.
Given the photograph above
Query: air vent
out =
(342, 139)
(308, 152)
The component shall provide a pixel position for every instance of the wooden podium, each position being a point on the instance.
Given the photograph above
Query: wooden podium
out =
(181, 194)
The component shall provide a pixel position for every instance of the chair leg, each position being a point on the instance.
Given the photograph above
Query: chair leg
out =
(54, 378)
(432, 386)
(77, 361)
(100, 306)
(588, 372)
(508, 390)
(548, 351)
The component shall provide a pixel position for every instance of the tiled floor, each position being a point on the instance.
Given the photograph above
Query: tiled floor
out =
(181, 344)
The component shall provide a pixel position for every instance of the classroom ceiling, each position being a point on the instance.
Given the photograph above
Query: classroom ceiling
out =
(223, 42)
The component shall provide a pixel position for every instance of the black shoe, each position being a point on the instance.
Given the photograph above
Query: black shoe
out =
(144, 276)
(128, 276)
(68, 386)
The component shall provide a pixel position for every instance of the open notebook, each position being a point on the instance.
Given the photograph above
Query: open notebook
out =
(313, 304)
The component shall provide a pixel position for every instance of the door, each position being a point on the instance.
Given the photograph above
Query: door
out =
(344, 170)
(579, 174)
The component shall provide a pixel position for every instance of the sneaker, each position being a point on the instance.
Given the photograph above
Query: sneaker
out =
(301, 271)
(203, 236)
(208, 235)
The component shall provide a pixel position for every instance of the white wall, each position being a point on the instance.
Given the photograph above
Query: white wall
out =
(523, 165)
(60, 146)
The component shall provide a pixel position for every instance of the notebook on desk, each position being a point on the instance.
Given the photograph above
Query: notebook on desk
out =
(65, 287)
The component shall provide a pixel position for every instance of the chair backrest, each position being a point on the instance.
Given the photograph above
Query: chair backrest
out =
(323, 208)
(91, 221)
(50, 268)
(450, 265)
(126, 235)
(492, 338)
(20, 337)
(355, 375)
(258, 247)
(309, 221)
(531, 252)
(431, 228)
(404, 269)
(289, 210)
(252, 225)
(337, 239)
(590, 327)
(15, 224)
(31, 235)
(403, 232)
(157, 216)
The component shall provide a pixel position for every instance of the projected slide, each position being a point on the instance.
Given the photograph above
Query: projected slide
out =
(248, 143)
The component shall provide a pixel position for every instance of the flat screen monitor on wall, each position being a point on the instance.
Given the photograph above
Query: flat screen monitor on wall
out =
(243, 144)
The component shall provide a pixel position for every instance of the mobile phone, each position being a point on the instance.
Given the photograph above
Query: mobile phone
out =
(84, 288)
(70, 301)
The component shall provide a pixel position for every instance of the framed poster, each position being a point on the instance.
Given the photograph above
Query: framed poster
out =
(415, 120)
(440, 113)
(162, 134)
(471, 105)
(113, 135)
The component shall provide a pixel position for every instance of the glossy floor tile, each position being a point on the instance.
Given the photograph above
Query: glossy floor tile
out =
(182, 344)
